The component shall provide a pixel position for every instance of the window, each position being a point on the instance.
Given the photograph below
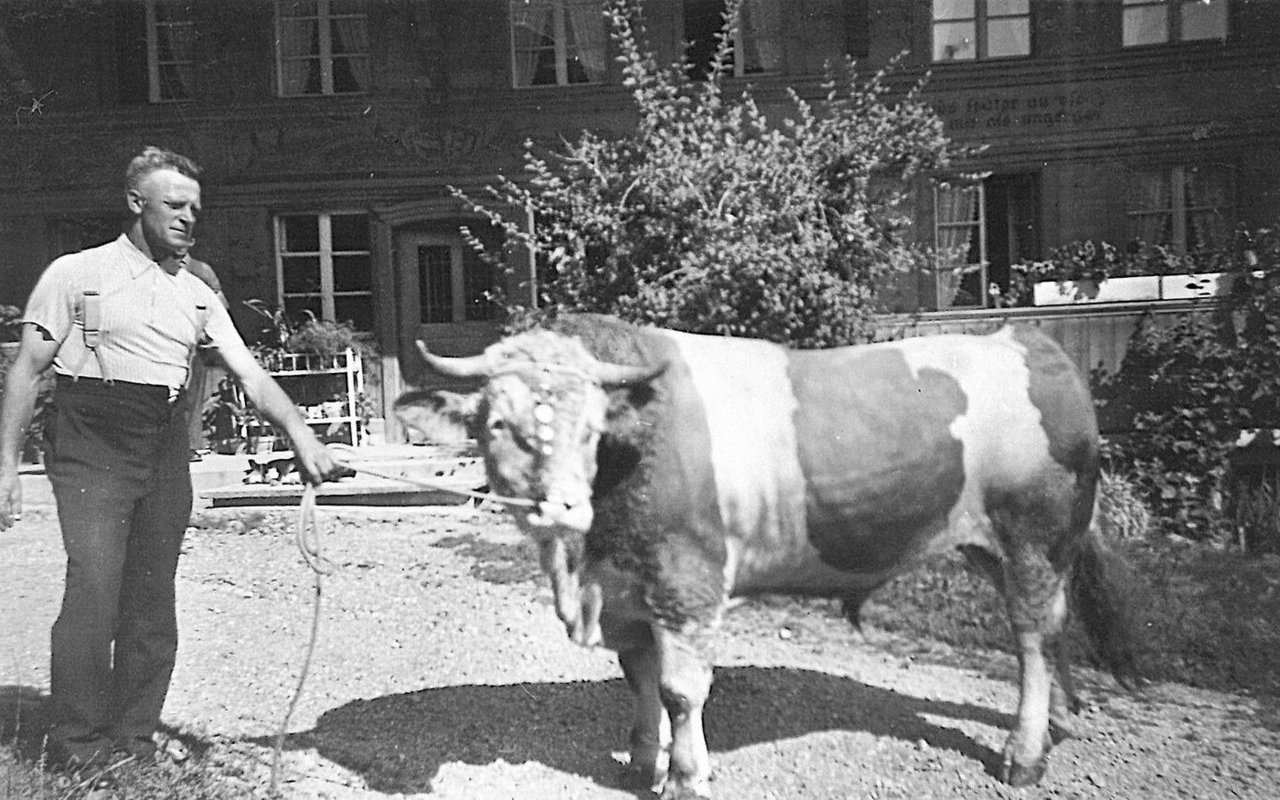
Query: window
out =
(1160, 21)
(323, 266)
(965, 30)
(453, 281)
(756, 39)
(170, 57)
(1187, 208)
(980, 229)
(557, 42)
(322, 47)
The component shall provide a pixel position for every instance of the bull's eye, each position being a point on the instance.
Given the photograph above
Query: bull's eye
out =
(497, 425)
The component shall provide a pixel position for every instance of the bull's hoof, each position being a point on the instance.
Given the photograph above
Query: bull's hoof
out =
(682, 793)
(1059, 732)
(1019, 775)
(638, 778)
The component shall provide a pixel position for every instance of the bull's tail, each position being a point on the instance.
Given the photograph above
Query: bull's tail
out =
(1103, 588)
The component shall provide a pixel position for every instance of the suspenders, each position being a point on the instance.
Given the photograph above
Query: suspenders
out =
(89, 315)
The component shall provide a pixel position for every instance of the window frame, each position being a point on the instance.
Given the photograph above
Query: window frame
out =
(1175, 27)
(982, 21)
(738, 41)
(560, 46)
(155, 86)
(977, 222)
(325, 18)
(325, 255)
(1180, 211)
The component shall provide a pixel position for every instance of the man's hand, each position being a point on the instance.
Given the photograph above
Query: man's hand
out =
(316, 462)
(10, 498)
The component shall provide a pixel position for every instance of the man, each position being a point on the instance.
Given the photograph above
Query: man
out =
(120, 324)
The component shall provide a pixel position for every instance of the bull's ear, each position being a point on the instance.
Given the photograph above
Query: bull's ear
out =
(438, 415)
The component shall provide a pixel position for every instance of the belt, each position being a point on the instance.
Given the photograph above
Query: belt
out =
(171, 395)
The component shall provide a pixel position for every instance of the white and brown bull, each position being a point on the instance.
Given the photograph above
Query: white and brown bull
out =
(670, 472)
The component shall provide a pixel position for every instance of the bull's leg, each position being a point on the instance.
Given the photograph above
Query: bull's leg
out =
(1044, 691)
(684, 683)
(651, 732)
(1063, 701)
(1037, 610)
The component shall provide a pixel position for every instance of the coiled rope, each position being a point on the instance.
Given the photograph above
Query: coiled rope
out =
(307, 535)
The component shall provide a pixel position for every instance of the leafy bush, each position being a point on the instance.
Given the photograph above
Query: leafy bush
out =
(1191, 387)
(280, 334)
(32, 442)
(715, 216)
(10, 324)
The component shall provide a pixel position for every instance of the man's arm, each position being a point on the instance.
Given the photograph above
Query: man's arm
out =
(315, 461)
(35, 353)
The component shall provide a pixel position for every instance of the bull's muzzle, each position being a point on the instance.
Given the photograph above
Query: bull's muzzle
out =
(553, 513)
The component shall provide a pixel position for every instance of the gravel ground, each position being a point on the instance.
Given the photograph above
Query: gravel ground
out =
(440, 671)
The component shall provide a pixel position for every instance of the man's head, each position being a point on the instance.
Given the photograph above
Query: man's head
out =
(162, 190)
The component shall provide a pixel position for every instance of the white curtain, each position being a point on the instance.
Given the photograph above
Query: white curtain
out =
(1210, 195)
(351, 36)
(174, 43)
(761, 27)
(955, 207)
(586, 20)
(298, 37)
(530, 30)
(1151, 204)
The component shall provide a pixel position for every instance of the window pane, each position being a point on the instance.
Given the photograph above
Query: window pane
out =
(953, 41)
(1146, 25)
(298, 8)
(1204, 19)
(301, 234)
(356, 309)
(1009, 37)
(1001, 8)
(351, 274)
(174, 80)
(299, 38)
(301, 274)
(585, 37)
(435, 283)
(296, 306)
(350, 232)
(952, 9)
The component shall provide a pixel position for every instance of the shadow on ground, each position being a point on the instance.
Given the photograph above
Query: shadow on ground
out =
(24, 720)
(399, 742)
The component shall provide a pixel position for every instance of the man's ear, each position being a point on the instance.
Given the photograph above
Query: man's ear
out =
(438, 415)
(135, 201)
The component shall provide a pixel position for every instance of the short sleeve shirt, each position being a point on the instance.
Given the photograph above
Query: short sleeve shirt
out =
(150, 321)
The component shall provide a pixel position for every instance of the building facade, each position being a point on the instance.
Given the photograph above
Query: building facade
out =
(335, 134)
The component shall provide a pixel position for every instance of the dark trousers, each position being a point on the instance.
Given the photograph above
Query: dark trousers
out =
(117, 458)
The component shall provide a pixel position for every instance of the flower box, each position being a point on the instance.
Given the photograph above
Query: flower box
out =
(1133, 288)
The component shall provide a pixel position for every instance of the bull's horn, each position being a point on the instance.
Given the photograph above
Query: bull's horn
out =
(622, 375)
(468, 367)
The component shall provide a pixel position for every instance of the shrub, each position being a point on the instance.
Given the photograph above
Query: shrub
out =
(1189, 389)
(713, 216)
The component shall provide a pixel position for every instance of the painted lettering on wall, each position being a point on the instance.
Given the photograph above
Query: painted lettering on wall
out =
(992, 112)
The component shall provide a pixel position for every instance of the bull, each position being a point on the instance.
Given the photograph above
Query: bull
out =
(667, 472)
